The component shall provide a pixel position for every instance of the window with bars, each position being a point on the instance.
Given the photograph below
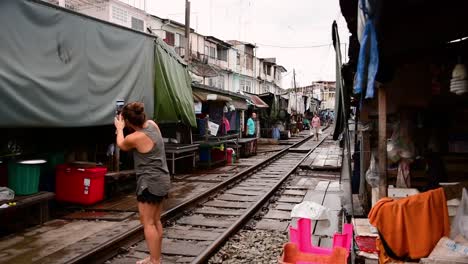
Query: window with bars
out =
(137, 24)
(119, 14)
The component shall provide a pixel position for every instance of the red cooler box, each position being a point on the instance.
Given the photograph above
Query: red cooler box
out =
(79, 185)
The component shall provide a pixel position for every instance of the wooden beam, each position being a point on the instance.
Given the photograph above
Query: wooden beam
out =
(382, 101)
(364, 189)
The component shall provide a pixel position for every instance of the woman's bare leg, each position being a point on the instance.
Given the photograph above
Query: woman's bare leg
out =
(152, 237)
(159, 228)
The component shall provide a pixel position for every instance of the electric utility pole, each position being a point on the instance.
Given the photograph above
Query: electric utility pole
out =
(187, 30)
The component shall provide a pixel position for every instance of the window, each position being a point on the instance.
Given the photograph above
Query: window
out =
(212, 52)
(221, 82)
(265, 88)
(269, 70)
(182, 40)
(222, 53)
(137, 24)
(119, 14)
(249, 62)
(170, 39)
(238, 58)
(246, 86)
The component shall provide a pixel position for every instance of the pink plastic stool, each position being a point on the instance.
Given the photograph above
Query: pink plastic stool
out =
(302, 237)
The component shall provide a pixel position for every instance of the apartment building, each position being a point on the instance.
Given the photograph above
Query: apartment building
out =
(228, 65)
(172, 32)
(323, 91)
(113, 11)
(270, 75)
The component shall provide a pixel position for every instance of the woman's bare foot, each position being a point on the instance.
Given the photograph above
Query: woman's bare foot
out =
(148, 260)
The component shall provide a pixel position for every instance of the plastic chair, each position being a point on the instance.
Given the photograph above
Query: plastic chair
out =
(292, 254)
(302, 237)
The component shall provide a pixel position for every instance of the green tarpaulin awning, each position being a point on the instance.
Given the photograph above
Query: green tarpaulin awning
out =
(173, 100)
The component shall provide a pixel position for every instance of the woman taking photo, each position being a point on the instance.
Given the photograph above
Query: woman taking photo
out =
(153, 179)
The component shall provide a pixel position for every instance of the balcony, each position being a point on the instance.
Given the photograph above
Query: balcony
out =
(180, 51)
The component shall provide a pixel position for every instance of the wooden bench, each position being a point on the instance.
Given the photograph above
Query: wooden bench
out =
(29, 210)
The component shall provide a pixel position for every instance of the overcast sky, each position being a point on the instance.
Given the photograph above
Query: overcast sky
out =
(270, 24)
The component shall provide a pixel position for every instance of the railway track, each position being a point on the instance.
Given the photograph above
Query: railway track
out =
(195, 229)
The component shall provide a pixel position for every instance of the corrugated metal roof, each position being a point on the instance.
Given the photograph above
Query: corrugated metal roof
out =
(239, 104)
(205, 97)
(257, 101)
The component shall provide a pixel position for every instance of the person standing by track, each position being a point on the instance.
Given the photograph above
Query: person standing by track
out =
(316, 126)
(153, 179)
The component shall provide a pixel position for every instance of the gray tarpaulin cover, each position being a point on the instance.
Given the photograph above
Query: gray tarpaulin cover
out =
(59, 69)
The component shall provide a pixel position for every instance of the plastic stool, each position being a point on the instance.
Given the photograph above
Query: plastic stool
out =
(302, 237)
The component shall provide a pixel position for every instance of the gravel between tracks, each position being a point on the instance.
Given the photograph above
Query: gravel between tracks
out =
(251, 246)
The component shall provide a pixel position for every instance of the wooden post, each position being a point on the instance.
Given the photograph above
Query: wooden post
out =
(382, 101)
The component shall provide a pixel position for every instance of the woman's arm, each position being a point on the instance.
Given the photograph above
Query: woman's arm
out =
(124, 143)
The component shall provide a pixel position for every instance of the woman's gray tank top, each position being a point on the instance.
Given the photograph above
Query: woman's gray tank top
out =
(151, 167)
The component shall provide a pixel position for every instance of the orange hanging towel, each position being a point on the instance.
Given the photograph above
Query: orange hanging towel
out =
(411, 227)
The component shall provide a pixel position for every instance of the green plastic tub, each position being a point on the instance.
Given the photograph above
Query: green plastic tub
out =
(23, 176)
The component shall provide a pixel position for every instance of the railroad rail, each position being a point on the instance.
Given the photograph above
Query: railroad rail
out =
(210, 218)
